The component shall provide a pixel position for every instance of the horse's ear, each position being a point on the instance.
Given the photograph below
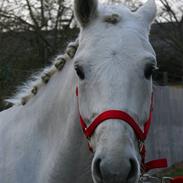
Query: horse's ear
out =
(148, 11)
(85, 11)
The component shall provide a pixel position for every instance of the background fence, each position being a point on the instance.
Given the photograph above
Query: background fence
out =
(166, 133)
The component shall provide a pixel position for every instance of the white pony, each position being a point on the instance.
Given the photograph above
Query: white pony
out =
(41, 141)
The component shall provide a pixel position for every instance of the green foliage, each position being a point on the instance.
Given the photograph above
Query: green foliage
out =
(173, 171)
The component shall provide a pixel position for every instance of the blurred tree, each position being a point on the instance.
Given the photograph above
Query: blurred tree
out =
(37, 16)
(132, 4)
(31, 33)
(170, 23)
(172, 13)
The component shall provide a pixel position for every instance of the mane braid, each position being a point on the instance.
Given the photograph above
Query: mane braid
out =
(32, 87)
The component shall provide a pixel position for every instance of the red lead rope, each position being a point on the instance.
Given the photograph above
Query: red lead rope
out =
(141, 135)
(178, 179)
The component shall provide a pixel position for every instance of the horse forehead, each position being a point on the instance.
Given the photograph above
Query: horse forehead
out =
(114, 49)
(106, 30)
(111, 44)
(111, 40)
(119, 9)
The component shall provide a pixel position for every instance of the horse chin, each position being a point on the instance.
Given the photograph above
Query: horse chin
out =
(96, 180)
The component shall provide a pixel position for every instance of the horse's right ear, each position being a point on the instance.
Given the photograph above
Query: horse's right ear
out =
(148, 11)
(85, 11)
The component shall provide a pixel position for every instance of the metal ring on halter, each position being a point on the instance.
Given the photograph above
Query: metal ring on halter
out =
(141, 144)
(166, 179)
(147, 177)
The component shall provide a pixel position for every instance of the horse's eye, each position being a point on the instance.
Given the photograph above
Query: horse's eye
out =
(80, 72)
(149, 69)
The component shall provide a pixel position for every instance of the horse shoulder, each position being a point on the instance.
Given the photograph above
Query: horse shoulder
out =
(19, 148)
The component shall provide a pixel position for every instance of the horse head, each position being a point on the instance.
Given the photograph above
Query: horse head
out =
(114, 65)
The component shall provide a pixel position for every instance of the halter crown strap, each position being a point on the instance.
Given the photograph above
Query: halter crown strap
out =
(125, 117)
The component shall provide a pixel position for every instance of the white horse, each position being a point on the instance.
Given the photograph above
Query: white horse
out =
(41, 141)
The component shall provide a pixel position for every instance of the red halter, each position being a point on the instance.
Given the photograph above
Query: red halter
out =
(141, 135)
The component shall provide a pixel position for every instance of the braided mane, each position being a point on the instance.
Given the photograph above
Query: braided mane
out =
(31, 87)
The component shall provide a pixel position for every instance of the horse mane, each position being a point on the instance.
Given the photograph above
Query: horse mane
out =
(36, 81)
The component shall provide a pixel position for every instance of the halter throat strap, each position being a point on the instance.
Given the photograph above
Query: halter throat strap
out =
(140, 134)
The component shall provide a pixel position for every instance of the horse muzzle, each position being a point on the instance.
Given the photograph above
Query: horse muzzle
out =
(113, 170)
(115, 154)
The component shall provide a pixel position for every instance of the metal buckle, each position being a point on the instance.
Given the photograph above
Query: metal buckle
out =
(141, 145)
(166, 179)
(147, 177)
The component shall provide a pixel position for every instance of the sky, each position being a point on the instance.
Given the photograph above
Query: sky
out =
(175, 4)
(17, 4)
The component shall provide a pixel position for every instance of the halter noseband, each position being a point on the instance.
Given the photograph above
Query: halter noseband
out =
(125, 117)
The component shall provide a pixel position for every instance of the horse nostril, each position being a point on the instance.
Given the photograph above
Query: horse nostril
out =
(108, 171)
(97, 168)
(134, 169)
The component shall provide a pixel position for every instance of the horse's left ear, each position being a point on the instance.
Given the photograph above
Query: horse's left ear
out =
(148, 11)
(85, 11)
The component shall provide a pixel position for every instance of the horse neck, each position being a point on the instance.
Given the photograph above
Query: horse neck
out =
(56, 111)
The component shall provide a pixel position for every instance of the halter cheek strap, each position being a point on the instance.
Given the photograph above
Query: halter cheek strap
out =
(125, 117)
